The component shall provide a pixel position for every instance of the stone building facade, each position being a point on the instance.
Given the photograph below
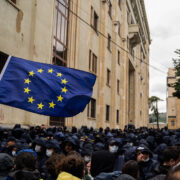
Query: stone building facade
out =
(173, 103)
(109, 38)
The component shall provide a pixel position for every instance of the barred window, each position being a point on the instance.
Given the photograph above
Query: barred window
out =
(60, 33)
(61, 15)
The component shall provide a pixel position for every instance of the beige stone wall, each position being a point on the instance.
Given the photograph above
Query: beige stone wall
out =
(26, 32)
(173, 103)
(87, 38)
(32, 38)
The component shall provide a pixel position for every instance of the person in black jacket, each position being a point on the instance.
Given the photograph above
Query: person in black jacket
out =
(25, 167)
(147, 165)
(6, 165)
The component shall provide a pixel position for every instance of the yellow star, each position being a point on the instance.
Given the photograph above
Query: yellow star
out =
(26, 90)
(50, 71)
(30, 99)
(59, 74)
(40, 70)
(51, 105)
(31, 73)
(27, 81)
(63, 81)
(40, 106)
(64, 90)
(60, 98)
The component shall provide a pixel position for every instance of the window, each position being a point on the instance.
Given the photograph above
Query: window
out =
(118, 84)
(61, 15)
(119, 56)
(94, 19)
(60, 33)
(119, 3)
(109, 42)
(92, 62)
(117, 27)
(108, 77)
(91, 109)
(110, 10)
(172, 123)
(117, 116)
(107, 112)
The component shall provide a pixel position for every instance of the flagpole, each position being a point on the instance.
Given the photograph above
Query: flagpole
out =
(4, 68)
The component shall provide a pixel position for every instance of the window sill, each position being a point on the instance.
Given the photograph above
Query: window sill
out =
(91, 118)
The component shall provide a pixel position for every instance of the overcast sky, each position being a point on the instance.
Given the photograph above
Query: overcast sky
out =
(164, 23)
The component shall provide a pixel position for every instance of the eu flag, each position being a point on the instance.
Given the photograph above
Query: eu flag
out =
(44, 88)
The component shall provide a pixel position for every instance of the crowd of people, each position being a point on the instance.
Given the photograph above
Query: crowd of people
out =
(41, 153)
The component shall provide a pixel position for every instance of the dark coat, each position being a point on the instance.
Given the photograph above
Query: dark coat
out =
(148, 169)
(24, 175)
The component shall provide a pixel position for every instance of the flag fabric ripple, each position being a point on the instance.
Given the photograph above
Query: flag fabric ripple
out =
(44, 88)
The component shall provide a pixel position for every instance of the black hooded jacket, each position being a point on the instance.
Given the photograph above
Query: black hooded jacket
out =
(102, 161)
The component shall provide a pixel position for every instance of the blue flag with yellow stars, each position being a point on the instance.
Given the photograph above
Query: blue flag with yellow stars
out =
(44, 88)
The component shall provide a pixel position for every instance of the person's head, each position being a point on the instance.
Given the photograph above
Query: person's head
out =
(102, 161)
(40, 145)
(174, 174)
(171, 156)
(113, 146)
(68, 147)
(6, 163)
(25, 160)
(54, 162)
(131, 168)
(73, 164)
(52, 146)
(142, 154)
(10, 142)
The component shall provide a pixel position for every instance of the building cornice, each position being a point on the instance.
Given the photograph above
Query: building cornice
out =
(146, 20)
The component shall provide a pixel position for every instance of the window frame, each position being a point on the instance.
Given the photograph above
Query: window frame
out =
(108, 80)
(119, 57)
(92, 62)
(91, 109)
(94, 19)
(109, 42)
(117, 116)
(110, 9)
(107, 112)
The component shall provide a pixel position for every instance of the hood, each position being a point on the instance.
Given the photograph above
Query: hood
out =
(102, 161)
